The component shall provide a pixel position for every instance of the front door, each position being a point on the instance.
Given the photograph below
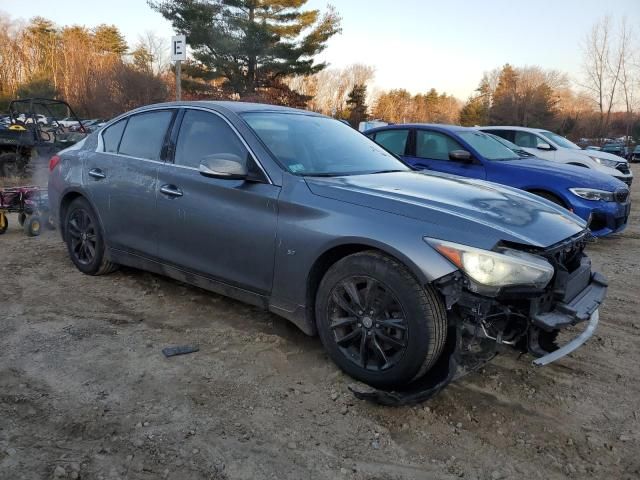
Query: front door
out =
(531, 143)
(223, 229)
(432, 150)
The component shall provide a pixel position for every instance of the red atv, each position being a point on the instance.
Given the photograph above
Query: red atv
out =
(30, 203)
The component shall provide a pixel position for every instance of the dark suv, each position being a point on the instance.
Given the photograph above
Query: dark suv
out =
(304, 216)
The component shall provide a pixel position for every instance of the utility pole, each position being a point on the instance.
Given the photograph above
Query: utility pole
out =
(178, 54)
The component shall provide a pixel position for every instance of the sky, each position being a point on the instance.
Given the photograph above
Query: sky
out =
(413, 44)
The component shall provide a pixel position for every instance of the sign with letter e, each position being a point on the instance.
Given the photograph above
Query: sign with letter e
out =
(178, 48)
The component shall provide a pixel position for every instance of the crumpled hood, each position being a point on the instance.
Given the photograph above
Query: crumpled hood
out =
(456, 207)
(572, 174)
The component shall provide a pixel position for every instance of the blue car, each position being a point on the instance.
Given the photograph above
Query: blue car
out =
(600, 199)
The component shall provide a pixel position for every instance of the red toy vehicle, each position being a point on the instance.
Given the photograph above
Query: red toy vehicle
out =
(30, 203)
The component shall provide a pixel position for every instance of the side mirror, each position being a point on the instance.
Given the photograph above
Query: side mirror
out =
(460, 156)
(223, 165)
(544, 146)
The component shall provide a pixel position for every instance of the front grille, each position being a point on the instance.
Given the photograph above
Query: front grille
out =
(621, 195)
(623, 167)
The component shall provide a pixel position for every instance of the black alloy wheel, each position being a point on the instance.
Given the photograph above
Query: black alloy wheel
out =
(82, 236)
(368, 323)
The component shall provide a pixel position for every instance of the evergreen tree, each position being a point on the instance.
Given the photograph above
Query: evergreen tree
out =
(252, 43)
(108, 39)
(357, 106)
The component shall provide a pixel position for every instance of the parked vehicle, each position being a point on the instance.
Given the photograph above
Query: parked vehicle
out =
(68, 121)
(635, 155)
(25, 139)
(303, 215)
(551, 146)
(615, 149)
(592, 147)
(595, 197)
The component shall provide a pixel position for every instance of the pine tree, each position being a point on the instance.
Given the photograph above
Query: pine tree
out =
(108, 39)
(252, 43)
(357, 106)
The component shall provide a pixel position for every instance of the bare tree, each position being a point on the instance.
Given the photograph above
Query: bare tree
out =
(602, 66)
(629, 73)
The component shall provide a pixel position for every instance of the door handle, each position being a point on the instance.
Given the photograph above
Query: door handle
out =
(171, 190)
(97, 174)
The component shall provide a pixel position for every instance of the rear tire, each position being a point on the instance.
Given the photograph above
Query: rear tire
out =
(377, 322)
(85, 240)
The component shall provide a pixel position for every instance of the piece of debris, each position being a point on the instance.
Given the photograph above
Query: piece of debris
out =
(179, 350)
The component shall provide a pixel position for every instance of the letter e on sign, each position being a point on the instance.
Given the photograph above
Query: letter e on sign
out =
(178, 48)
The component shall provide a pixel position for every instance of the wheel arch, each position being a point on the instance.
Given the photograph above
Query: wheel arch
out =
(543, 192)
(65, 200)
(336, 253)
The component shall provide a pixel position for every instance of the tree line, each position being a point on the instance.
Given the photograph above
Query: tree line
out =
(91, 68)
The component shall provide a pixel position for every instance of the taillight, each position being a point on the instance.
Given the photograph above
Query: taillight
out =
(53, 162)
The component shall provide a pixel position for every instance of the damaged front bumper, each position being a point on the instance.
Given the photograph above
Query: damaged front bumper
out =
(583, 306)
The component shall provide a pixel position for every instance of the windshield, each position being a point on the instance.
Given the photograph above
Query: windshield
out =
(320, 146)
(488, 147)
(511, 145)
(563, 142)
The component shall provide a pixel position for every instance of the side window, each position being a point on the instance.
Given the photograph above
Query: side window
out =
(112, 135)
(203, 134)
(145, 133)
(527, 140)
(393, 140)
(435, 145)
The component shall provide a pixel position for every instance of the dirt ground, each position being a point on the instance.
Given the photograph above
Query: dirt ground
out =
(85, 391)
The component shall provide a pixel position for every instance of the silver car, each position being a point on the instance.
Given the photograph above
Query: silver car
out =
(300, 214)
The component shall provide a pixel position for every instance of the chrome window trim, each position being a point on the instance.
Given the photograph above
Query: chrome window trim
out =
(100, 143)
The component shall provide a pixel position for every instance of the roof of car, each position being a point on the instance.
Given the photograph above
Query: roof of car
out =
(508, 127)
(435, 126)
(236, 107)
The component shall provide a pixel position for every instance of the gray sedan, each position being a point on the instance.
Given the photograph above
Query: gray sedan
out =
(304, 216)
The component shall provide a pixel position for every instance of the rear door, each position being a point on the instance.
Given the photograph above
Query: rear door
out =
(224, 229)
(122, 177)
(432, 150)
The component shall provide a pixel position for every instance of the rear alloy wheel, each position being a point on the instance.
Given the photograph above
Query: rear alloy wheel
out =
(84, 239)
(377, 322)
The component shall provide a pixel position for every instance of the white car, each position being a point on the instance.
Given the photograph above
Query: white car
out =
(551, 146)
(68, 122)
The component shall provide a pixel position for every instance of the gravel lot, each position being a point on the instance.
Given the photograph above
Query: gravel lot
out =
(85, 391)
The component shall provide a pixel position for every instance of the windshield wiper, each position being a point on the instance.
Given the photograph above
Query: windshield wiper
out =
(386, 171)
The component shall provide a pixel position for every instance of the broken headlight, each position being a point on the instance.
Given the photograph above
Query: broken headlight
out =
(505, 268)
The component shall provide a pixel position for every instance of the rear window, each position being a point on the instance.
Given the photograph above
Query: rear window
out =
(145, 133)
(112, 135)
(488, 147)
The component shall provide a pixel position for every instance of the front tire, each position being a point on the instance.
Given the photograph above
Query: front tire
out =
(377, 322)
(85, 240)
